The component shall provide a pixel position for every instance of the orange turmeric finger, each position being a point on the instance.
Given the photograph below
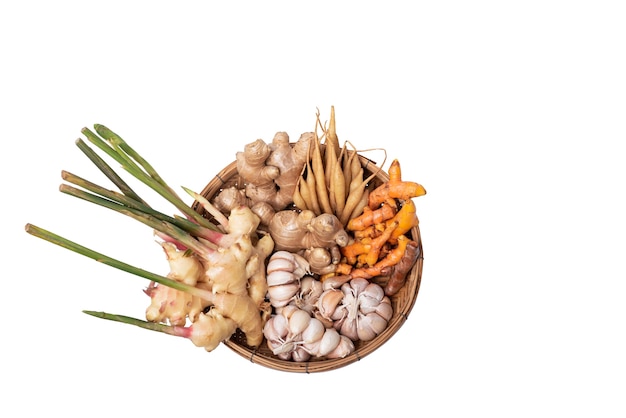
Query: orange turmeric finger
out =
(371, 217)
(366, 250)
(406, 219)
(343, 269)
(369, 232)
(391, 259)
(378, 243)
(356, 248)
(394, 188)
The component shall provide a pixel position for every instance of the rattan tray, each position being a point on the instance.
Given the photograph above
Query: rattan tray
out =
(402, 302)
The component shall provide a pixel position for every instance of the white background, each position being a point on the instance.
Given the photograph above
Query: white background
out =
(511, 114)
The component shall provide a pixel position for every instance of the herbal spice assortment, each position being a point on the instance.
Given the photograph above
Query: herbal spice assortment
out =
(286, 256)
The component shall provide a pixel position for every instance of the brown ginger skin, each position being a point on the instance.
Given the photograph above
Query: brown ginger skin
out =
(295, 231)
(271, 171)
(321, 260)
(289, 162)
(233, 197)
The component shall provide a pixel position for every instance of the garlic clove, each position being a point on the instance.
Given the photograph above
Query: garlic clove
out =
(365, 333)
(370, 326)
(311, 286)
(344, 348)
(306, 284)
(348, 327)
(328, 301)
(301, 266)
(280, 325)
(288, 310)
(329, 342)
(339, 313)
(281, 255)
(328, 323)
(278, 264)
(313, 332)
(384, 309)
(300, 355)
(299, 321)
(310, 291)
(281, 295)
(370, 298)
(280, 277)
(313, 347)
(335, 282)
(275, 330)
(282, 261)
(359, 284)
(374, 291)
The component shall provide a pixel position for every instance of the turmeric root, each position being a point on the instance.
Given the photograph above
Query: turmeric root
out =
(392, 258)
(370, 217)
(395, 188)
(397, 273)
(369, 247)
(406, 218)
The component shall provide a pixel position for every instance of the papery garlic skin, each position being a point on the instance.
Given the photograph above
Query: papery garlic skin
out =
(299, 321)
(293, 334)
(359, 309)
(308, 294)
(313, 332)
(330, 340)
(344, 348)
(284, 271)
(328, 304)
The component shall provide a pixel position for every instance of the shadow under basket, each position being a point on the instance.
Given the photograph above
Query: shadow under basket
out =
(402, 302)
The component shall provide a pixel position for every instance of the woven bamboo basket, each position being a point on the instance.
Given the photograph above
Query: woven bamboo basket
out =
(402, 302)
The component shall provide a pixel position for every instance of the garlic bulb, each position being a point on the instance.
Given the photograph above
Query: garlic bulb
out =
(293, 334)
(284, 271)
(359, 309)
(308, 294)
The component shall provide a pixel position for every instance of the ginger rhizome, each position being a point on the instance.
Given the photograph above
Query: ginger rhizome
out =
(234, 270)
(270, 171)
(317, 238)
(216, 283)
